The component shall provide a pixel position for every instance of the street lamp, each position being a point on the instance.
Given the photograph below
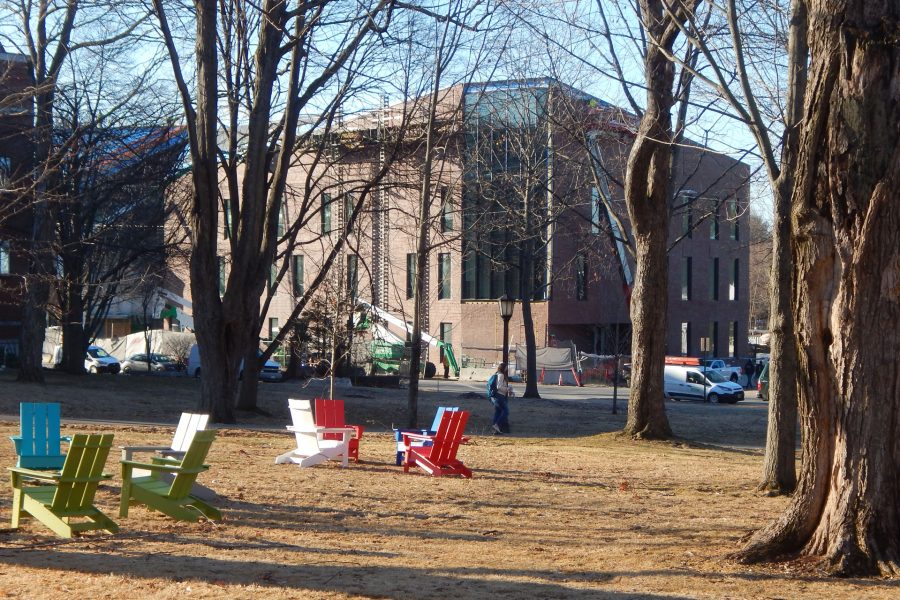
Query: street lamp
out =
(506, 311)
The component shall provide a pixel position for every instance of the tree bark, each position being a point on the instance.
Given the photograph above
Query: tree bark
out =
(846, 219)
(647, 196)
(74, 340)
(248, 387)
(526, 277)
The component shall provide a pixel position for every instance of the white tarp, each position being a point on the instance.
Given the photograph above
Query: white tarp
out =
(161, 342)
(548, 359)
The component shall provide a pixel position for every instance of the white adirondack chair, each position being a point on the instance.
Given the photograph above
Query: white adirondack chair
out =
(311, 448)
(188, 425)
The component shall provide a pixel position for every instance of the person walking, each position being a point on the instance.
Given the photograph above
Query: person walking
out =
(500, 393)
(750, 370)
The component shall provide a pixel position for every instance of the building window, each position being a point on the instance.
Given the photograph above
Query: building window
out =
(446, 337)
(732, 339)
(5, 171)
(446, 210)
(581, 277)
(595, 211)
(297, 272)
(687, 217)
(714, 280)
(713, 347)
(686, 339)
(353, 276)
(273, 327)
(4, 258)
(735, 233)
(686, 276)
(714, 222)
(733, 285)
(444, 276)
(226, 222)
(410, 275)
(273, 279)
(326, 214)
(222, 280)
(280, 231)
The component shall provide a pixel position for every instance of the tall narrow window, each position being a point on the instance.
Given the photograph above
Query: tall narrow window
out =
(5, 171)
(353, 276)
(735, 232)
(714, 338)
(733, 292)
(446, 334)
(297, 274)
(443, 276)
(686, 339)
(714, 222)
(410, 275)
(687, 217)
(686, 277)
(273, 279)
(280, 231)
(222, 281)
(226, 221)
(732, 339)
(4, 257)
(349, 203)
(326, 214)
(446, 210)
(595, 211)
(581, 276)
(714, 279)
(273, 327)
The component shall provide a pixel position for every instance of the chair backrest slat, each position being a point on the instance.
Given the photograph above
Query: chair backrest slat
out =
(38, 444)
(304, 426)
(81, 473)
(193, 459)
(448, 436)
(330, 413)
(188, 425)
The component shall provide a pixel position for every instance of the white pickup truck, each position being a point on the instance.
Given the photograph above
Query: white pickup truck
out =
(718, 365)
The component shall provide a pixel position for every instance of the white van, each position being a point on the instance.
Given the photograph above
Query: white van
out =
(271, 371)
(690, 383)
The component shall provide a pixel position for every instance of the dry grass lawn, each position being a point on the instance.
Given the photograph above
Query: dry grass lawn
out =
(559, 510)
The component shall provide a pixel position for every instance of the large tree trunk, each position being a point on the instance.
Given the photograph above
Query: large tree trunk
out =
(526, 277)
(647, 197)
(248, 388)
(846, 220)
(74, 342)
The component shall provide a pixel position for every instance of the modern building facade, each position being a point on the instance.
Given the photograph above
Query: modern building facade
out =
(526, 200)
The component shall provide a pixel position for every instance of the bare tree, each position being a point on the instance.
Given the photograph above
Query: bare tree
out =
(846, 508)
(268, 65)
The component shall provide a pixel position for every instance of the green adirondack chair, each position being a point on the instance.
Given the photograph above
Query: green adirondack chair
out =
(70, 495)
(170, 496)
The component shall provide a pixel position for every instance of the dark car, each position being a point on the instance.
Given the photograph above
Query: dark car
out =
(762, 385)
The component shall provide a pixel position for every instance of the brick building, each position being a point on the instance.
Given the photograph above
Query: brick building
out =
(517, 208)
(16, 123)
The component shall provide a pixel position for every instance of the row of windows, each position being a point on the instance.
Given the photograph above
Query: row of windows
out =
(731, 211)
(687, 279)
(325, 220)
(444, 277)
(708, 346)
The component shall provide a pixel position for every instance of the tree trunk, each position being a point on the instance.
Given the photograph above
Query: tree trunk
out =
(779, 470)
(846, 218)
(526, 277)
(647, 197)
(74, 340)
(248, 387)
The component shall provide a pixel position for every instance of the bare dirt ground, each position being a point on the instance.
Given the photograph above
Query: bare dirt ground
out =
(560, 509)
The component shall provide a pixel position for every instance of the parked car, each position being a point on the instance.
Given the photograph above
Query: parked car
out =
(271, 371)
(158, 363)
(98, 360)
(690, 383)
(762, 385)
(720, 366)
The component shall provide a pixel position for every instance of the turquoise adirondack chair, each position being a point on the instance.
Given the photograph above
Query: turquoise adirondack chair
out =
(39, 443)
(398, 433)
(70, 493)
(172, 497)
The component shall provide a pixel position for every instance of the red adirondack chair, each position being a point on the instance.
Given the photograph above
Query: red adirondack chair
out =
(440, 457)
(330, 413)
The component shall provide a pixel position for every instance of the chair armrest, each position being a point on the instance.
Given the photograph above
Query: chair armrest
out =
(418, 436)
(358, 430)
(45, 475)
(130, 464)
(127, 451)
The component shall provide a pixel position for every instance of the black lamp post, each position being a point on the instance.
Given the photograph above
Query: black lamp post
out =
(506, 311)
